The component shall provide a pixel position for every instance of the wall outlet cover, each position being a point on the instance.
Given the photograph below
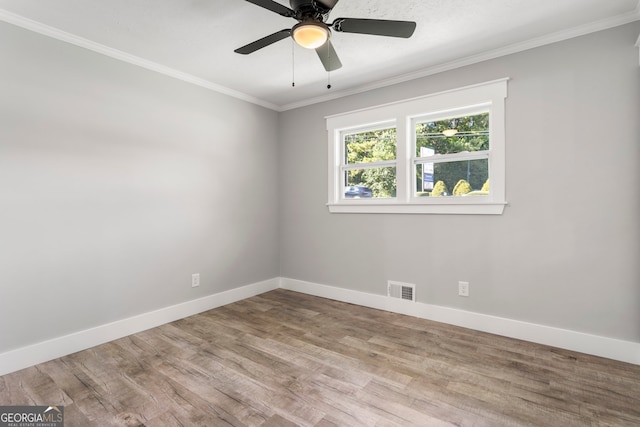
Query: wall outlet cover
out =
(463, 289)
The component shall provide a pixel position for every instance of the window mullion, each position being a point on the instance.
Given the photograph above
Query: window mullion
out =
(456, 157)
(403, 157)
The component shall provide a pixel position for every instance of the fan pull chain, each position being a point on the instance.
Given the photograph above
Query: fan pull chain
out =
(328, 71)
(293, 64)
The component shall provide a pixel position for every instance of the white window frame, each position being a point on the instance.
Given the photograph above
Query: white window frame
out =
(489, 96)
(344, 167)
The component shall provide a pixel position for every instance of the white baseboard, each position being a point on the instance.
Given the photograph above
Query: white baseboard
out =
(25, 357)
(625, 351)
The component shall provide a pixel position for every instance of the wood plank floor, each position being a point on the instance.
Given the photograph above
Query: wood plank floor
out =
(288, 359)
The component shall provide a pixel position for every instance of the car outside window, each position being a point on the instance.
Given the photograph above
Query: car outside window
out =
(369, 161)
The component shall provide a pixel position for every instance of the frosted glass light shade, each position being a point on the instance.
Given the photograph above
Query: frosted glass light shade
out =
(310, 35)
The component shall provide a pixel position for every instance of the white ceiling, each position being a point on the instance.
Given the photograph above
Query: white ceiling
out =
(194, 39)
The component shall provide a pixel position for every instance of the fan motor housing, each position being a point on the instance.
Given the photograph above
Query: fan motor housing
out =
(309, 9)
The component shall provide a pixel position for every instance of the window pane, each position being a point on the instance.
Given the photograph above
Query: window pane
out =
(469, 177)
(454, 135)
(377, 183)
(370, 146)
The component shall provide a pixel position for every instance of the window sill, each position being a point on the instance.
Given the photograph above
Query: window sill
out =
(490, 208)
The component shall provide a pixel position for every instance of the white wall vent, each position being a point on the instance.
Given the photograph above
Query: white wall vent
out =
(405, 291)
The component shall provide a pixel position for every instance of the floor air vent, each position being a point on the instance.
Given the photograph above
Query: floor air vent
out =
(405, 291)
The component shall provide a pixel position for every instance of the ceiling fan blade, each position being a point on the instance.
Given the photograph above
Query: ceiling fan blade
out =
(377, 27)
(274, 7)
(328, 56)
(329, 4)
(263, 42)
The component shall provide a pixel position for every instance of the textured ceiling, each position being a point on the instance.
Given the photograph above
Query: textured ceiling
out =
(195, 39)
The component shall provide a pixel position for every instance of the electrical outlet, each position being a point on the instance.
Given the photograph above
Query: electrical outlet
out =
(195, 280)
(463, 289)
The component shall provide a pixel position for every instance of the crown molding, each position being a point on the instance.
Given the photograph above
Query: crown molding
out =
(556, 37)
(559, 36)
(55, 33)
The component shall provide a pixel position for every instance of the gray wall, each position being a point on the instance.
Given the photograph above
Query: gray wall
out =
(116, 184)
(565, 253)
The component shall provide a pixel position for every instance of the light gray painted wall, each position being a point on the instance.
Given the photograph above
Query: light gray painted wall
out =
(565, 253)
(116, 184)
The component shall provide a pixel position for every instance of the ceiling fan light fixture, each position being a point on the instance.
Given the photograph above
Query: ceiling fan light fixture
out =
(310, 34)
(449, 132)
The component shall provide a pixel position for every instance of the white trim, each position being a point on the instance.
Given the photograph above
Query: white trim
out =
(638, 46)
(415, 208)
(601, 25)
(559, 36)
(34, 354)
(482, 91)
(624, 351)
(488, 96)
(24, 357)
(57, 34)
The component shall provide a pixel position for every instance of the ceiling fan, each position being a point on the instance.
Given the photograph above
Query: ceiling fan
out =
(312, 31)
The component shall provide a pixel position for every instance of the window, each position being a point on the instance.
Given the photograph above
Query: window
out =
(369, 166)
(442, 153)
(452, 155)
